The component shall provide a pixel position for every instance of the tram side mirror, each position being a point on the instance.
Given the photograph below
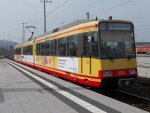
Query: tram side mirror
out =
(89, 39)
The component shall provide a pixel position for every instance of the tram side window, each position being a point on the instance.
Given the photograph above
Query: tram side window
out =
(18, 51)
(47, 48)
(62, 47)
(72, 45)
(43, 49)
(37, 49)
(24, 50)
(95, 52)
(27, 50)
(40, 45)
(53, 47)
(83, 45)
(30, 50)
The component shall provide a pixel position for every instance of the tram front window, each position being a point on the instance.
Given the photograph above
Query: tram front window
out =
(117, 40)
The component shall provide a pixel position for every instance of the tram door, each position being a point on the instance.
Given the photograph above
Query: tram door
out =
(88, 53)
(84, 46)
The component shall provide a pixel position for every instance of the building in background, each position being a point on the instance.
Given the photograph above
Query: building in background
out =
(143, 47)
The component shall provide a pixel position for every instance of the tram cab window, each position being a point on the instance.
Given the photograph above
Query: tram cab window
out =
(62, 46)
(117, 41)
(72, 45)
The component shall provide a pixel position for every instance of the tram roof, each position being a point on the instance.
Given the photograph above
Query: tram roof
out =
(77, 22)
(74, 23)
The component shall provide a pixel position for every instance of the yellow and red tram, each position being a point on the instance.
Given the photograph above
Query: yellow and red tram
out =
(89, 52)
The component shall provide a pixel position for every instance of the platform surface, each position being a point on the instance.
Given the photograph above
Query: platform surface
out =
(21, 93)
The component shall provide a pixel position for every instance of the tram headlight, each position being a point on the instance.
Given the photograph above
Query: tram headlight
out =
(132, 71)
(107, 74)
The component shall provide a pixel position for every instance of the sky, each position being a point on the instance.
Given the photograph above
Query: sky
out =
(59, 12)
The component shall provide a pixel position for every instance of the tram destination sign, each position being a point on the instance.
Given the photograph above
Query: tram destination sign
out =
(119, 26)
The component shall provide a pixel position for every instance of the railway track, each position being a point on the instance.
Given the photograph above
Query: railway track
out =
(128, 98)
(144, 81)
(133, 99)
(134, 95)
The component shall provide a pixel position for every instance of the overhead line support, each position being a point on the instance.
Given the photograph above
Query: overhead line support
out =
(44, 2)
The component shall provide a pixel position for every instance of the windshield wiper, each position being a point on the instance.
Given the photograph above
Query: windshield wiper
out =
(107, 54)
(104, 51)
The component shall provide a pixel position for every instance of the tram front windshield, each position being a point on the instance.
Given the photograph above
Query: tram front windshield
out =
(117, 40)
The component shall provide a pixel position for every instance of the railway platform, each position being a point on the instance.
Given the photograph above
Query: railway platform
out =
(143, 67)
(26, 90)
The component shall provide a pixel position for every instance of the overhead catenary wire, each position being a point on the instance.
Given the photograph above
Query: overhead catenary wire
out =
(59, 6)
(143, 31)
(55, 9)
(122, 3)
(118, 5)
(142, 26)
(142, 18)
(115, 6)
